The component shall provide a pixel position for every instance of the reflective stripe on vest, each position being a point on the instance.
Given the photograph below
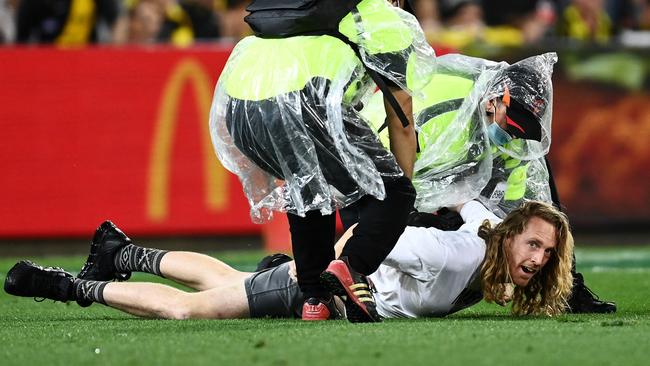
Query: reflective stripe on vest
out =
(516, 181)
(433, 113)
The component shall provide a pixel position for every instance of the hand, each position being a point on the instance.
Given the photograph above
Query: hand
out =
(457, 208)
(444, 219)
(508, 292)
(293, 273)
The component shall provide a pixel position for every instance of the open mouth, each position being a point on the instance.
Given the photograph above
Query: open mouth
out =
(528, 270)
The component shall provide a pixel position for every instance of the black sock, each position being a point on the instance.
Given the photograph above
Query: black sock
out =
(89, 290)
(135, 258)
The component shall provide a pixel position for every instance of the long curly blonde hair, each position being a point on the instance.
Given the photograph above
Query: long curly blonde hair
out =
(548, 291)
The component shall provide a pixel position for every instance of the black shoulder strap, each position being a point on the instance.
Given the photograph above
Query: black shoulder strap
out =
(437, 109)
(379, 81)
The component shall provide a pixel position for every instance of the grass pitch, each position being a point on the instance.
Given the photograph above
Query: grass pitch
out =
(54, 333)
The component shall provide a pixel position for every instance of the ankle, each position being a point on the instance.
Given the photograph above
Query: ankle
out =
(88, 290)
(316, 309)
(320, 294)
(139, 259)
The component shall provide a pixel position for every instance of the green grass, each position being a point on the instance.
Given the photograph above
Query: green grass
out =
(53, 333)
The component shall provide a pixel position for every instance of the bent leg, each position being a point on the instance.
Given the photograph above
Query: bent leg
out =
(199, 271)
(380, 225)
(161, 301)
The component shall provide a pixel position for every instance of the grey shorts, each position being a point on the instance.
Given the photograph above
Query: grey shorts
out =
(273, 293)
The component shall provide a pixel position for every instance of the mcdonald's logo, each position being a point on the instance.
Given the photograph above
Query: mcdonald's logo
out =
(216, 179)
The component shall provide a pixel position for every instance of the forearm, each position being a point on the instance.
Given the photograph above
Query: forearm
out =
(340, 244)
(403, 142)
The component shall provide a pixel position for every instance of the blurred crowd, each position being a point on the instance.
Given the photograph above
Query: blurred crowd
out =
(455, 24)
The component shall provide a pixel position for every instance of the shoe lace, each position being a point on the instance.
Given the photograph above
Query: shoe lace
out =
(371, 286)
(47, 279)
(587, 292)
(89, 262)
(582, 291)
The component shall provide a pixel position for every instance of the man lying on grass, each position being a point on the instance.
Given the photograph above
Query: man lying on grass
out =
(525, 259)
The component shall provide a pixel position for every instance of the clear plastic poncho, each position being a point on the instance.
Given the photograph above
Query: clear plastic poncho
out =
(457, 161)
(514, 181)
(284, 115)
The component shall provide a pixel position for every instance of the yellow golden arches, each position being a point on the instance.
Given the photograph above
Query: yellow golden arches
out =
(216, 178)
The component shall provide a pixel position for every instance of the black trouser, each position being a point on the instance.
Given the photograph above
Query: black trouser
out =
(380, 225)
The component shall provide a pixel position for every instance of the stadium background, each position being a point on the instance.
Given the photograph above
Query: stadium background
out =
(121, 133)
(108, 118)
(100, 133)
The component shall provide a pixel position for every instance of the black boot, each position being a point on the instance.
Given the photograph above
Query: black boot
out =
(100, 265)
(28, 279)
(583, 300)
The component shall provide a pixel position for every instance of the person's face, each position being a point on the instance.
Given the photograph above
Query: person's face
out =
(468, 16)
(495, 110)
(146, 22)
(397, 3)
(529, 251)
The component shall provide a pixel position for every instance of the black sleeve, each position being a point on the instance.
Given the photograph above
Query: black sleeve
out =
(395, 66)
(443, 219)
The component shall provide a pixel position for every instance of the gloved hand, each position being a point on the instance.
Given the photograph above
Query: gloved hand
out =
(443, 219)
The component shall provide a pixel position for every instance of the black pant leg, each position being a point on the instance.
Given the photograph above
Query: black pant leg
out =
(350, 214)
(312, 239)
(380, 225)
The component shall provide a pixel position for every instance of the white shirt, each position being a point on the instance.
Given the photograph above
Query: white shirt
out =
(429, 268)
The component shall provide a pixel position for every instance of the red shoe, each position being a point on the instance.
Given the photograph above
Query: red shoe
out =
(317, 309)
(353, 288)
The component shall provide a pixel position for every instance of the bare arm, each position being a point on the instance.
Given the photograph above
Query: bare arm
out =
(338, 248)
(457, 207)
(402, 139)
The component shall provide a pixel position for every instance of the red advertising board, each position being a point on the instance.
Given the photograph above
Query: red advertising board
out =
(92, 134)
